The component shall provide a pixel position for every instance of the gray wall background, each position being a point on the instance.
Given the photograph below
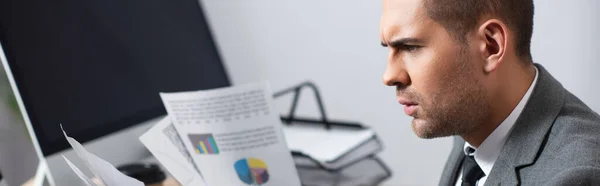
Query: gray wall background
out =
(336, 44)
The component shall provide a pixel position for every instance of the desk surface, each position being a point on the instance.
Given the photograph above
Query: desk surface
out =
(311, 176)
(170, 181)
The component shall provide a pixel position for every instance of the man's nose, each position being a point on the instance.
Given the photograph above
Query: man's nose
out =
(395, 74)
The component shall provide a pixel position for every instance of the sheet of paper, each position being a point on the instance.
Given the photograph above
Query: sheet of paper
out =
(103, 170)
(234, 135)
(86, 180)
(324, 145)
(164, 143)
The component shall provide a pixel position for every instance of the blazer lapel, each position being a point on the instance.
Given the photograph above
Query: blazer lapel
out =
(530, 130)
(453, 164)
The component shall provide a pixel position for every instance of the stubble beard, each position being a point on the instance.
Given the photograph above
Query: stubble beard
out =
(457, 109)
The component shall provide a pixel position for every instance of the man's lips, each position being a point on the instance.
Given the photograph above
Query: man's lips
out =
(410, 110)
(410, 107)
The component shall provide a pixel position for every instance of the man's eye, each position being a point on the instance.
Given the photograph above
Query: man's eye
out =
(411, 48)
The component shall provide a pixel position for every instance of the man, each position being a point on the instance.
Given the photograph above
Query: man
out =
(463, 68)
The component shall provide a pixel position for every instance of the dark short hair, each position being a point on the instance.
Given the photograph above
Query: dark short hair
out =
(461, 16)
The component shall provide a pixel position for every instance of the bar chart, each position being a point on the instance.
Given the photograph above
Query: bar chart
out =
(204, 143)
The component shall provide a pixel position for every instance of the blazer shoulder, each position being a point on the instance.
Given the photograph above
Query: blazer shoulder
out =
(574, 139)
(570, 153)
(576, 118)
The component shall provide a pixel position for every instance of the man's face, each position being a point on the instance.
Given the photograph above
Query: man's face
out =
(438, 78)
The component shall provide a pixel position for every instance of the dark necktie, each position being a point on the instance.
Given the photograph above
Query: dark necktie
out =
(471, 171)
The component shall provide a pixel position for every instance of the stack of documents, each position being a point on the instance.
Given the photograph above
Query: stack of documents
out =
(328, 152)
(331, 148)
(369, 171)
(222, 137)
(234, 136)
(340, 155)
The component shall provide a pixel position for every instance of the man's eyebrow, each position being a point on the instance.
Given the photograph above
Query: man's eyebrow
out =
(400, 42)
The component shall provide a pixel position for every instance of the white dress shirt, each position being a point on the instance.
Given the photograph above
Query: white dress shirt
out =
(489, 150)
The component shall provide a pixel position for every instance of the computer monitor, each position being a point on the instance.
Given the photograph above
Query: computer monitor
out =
(96, 67)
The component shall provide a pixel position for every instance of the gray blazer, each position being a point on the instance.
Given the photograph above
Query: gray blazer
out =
(555, 141)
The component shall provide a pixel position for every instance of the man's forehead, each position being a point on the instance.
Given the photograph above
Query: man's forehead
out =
(400, 16)
(402, 4)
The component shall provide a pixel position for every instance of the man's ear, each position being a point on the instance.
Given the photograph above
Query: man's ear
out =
(494, 35)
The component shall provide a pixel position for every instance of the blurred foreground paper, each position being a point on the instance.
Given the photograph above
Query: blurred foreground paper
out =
(103, 170)
(81, 175)
(233, 135)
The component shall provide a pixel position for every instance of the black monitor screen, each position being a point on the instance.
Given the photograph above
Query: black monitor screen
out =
(97, 66)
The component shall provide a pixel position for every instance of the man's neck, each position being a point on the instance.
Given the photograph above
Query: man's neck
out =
(513, 82)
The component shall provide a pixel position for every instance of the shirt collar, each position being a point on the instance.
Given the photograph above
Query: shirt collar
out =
(488, 151)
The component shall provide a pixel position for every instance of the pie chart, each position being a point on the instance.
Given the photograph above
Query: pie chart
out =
(252, 171)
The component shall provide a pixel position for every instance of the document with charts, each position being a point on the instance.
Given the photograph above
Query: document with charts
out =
(165, 144)
(233, 135)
